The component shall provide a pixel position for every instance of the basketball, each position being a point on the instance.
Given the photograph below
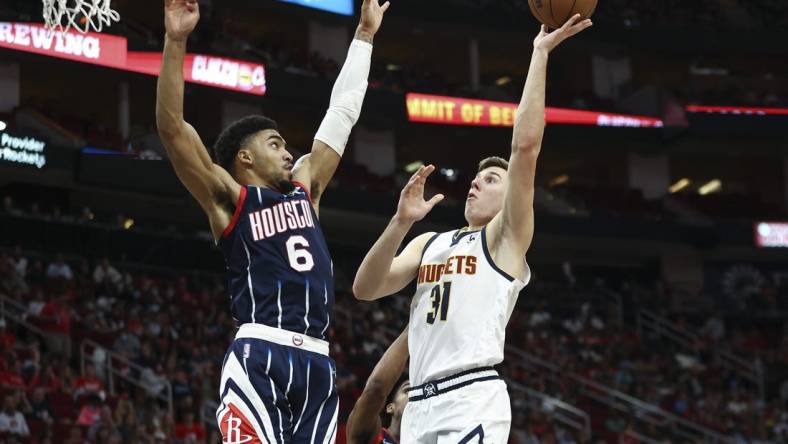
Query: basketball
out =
(554, 13)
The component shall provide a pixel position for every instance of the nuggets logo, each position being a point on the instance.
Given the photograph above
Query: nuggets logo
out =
(454, 265)
(236, 429)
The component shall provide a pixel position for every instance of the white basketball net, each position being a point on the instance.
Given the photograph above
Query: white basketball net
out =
(82, 15)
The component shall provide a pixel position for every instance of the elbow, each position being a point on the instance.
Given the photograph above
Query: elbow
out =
(527, 146)
(166, 123)
(376, 390)
(360, 293)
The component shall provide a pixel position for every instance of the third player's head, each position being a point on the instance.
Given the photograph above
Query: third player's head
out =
(253, 151)
(485, 198)
(395, 405)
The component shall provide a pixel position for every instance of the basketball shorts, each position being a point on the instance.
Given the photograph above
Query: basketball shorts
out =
(470, 407)
(277, 387)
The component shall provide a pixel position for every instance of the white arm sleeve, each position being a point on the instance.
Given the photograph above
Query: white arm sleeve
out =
(346, 97)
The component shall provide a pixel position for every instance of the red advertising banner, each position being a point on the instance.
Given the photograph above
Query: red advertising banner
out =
(471, 112)
(109, 50)
(737, 110)
(771, 234)
(94, 48)
(219, 72)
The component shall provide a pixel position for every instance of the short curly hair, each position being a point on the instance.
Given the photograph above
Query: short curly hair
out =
(235, 136)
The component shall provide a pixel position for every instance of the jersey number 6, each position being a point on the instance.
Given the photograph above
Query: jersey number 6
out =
(298, 255)
(440, 302)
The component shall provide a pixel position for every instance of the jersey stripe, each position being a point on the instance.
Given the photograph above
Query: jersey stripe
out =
(279, 302)
(306, 316)
(249, 278)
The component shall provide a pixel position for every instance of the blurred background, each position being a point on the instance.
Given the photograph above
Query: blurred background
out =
(658, 307)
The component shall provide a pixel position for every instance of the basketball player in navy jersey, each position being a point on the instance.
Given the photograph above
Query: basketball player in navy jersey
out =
(364, 425)
(277, 383)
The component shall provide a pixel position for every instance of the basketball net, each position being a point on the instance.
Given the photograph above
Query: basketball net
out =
(81, 15)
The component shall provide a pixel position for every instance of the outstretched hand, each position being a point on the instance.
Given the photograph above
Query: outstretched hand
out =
(412, 207)
(549, 40)
(372, 17)
(180, 18)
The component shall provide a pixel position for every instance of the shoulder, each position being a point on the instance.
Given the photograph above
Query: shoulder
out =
(421, 242)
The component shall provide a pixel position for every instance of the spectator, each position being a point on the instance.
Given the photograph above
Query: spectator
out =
(90, 413)
(40, 407)
(11, 419)
(188, 431)
(89, 384)
(59, 269)
(107, 276)
(57, 315)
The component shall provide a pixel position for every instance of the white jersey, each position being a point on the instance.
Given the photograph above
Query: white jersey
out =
(462, 304)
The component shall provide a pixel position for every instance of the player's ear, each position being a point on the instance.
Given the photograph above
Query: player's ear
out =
(245, 157)
(390, 408)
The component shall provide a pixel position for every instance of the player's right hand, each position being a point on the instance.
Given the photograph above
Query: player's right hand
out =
(412, 207)
(549, 40)
(180, 18)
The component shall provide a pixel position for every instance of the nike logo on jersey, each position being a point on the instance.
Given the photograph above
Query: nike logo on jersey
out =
(454, 265)
(280, 218)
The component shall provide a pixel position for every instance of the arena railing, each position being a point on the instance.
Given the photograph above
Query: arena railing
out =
(642, 410)
(14, 311)
(562, 412)
(650, 322)
(114, 366)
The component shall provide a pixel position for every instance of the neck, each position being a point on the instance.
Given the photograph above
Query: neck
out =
(394, 428)
(250, 178)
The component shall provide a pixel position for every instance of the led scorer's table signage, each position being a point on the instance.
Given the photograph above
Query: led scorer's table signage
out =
(22, 150)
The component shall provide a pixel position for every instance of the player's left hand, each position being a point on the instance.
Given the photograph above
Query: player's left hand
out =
(372, 16)
(549, 40)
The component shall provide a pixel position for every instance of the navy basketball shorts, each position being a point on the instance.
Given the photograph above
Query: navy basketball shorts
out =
(277, 387)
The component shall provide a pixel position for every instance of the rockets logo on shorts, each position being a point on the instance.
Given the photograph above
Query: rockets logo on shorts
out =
(236, 429)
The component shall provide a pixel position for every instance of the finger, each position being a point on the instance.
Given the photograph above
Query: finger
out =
(571, 22)
(416, 174)
(425, 174)
(436, 199)
(385, 7)
(585, 24)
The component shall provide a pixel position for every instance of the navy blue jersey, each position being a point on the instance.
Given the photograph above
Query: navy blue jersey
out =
(279, 268)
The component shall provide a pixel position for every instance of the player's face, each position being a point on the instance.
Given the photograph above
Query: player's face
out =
(272, 161)
(397, 406)
(485, 198)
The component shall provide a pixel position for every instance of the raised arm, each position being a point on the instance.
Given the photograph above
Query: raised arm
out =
(511, 231)
(316, 169)
(210, 184)
(363, 424)
(382, 274)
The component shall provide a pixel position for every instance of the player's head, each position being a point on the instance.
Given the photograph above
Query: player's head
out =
(395, 405)
(485, 198)
(252, 148)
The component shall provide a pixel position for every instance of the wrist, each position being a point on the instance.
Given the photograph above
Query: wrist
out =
(541, 51)
(402, 222)
(365, 35)
(176, 39)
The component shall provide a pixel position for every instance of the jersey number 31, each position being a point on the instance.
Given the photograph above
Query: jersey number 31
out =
(440, 302)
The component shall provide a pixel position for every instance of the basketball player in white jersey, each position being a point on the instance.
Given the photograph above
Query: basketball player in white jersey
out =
(468, 280)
